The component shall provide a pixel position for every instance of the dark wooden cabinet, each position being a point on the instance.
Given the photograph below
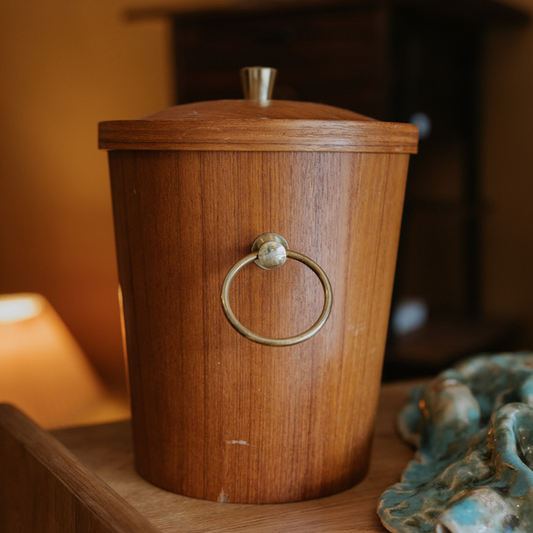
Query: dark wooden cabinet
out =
(329, 55)
(398, 60)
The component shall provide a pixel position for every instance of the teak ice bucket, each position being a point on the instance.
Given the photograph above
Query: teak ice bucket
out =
(229, 413)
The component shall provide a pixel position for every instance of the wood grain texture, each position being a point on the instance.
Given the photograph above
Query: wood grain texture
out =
(244, 125)
(107, 451)
(44, 489)
(216, 416)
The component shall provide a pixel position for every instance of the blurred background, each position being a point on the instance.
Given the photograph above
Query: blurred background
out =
(462, 71)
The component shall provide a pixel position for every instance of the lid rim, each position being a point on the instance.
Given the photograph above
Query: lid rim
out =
(248, 134)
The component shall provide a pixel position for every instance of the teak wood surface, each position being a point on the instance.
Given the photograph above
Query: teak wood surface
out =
(83, 480)
(217, 416)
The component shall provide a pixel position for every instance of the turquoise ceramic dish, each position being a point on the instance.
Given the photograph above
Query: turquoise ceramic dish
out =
(473, 426)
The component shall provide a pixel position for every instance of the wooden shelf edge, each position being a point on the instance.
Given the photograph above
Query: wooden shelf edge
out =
(45, 488)
(492, 11)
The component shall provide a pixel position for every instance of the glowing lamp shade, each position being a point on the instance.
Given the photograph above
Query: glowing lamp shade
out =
(42, 369)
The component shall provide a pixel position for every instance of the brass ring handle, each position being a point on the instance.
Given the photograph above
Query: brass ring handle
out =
(256, 256)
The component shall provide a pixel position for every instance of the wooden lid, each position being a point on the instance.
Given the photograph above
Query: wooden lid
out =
(246, 125)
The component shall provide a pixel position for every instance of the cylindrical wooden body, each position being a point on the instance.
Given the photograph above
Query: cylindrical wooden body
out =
(216, 416)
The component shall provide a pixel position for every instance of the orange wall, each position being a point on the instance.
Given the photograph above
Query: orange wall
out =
(67, 65)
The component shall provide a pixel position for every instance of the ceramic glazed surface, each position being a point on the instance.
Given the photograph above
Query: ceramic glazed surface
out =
(473, 426)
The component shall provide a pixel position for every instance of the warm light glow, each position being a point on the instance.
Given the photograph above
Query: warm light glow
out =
(43, 371)
(123, 332)
(19, 307)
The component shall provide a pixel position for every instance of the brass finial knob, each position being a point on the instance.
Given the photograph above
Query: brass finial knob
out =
(258, 83)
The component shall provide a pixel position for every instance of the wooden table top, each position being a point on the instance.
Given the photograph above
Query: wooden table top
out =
(94, 467)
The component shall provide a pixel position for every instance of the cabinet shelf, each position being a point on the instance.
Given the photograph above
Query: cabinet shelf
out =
(83, 480)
